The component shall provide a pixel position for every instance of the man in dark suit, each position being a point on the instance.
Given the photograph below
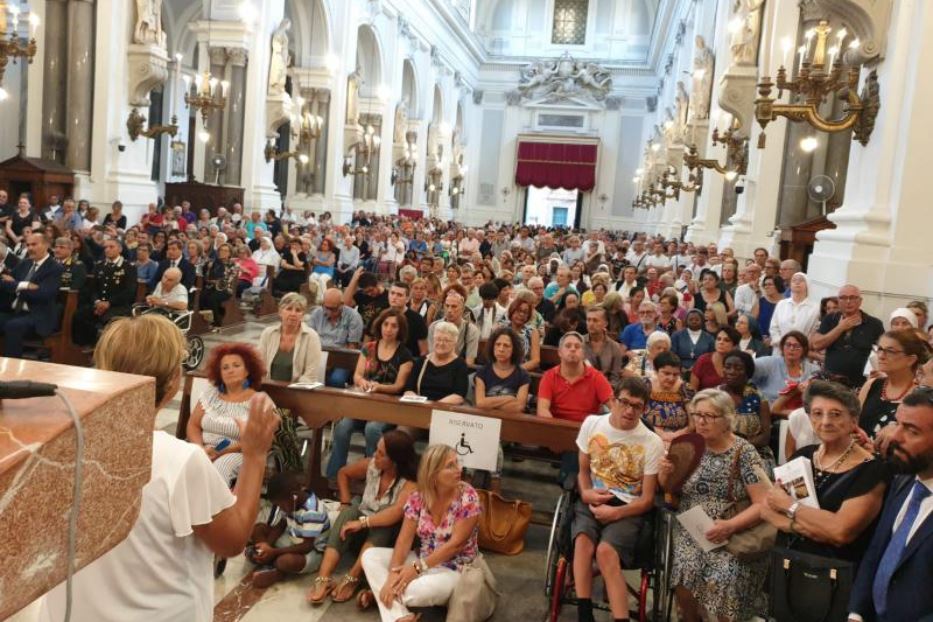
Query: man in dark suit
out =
(896, 573)
(174, 259)
(34, 286)
(112, 294)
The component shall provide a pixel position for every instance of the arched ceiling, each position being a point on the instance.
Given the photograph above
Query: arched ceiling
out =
(620, 30)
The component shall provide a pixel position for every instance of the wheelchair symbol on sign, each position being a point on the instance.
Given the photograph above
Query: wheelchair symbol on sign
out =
(463, 447)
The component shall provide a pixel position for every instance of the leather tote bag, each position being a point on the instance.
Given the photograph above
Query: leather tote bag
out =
(503, 523)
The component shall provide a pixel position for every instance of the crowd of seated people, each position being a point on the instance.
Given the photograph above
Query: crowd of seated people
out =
(675, 337)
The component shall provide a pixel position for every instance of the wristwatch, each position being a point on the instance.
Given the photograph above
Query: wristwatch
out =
(792, 510)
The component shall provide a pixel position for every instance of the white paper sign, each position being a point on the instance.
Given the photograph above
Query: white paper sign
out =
(475, 439)
(696, 522)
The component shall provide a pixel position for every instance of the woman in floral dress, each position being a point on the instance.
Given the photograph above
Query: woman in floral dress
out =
(717, 581)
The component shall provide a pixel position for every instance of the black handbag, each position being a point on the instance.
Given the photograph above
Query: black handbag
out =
(809, 588)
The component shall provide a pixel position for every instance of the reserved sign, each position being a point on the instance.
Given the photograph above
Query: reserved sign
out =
(475, 439)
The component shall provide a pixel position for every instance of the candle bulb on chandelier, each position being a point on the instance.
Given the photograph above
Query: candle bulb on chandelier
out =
(786, 45)
(33, 24)
(802, 51)
(833, 52)
(809, 37)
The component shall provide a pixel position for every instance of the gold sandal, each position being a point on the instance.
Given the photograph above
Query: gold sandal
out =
(328, 588)
(342, 584)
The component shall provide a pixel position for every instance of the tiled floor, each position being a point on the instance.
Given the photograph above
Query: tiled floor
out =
(521, 578)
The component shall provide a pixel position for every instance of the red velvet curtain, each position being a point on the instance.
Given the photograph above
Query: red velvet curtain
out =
(414, 214)
(570, 166)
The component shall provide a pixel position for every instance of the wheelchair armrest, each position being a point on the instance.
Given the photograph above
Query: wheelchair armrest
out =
(570, 483)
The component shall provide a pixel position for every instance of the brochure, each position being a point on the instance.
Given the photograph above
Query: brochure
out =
(696, 522)
(796, 478)
(305, 386)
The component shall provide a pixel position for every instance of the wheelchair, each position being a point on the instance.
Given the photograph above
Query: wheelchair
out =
(181, 319)
(652, 559)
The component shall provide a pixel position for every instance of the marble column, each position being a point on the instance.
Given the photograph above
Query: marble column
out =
(80, 75)
(54, 96)
(218, 60)
(237, 58)
(881, 239)
(320, 106)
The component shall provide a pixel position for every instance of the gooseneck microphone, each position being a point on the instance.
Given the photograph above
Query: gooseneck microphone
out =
(22, 389)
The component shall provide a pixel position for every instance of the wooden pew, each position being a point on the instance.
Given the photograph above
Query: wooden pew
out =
(549, 357)
(319, 407)
(267, 304)
(142, 290)
(341, 358)
(61, 348)
(232, 313)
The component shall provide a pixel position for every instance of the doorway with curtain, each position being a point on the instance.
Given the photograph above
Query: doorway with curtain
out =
(552, 207)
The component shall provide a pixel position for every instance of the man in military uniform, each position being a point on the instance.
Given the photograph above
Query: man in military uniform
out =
(73, 271)
(111, 294)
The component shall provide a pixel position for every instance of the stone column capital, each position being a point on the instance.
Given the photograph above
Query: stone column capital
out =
(238, 56)
(218, 55)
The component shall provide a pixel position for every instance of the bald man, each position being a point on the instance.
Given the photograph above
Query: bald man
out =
(31, 301)
(848, 336)
(169, 294)
(338, 326)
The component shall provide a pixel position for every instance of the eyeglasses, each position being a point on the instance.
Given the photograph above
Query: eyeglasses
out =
(624, 403)
(705, 418)
(849, 298)
(793, 346)
(888, 351)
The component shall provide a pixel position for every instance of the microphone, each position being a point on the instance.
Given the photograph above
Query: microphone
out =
(21, 389)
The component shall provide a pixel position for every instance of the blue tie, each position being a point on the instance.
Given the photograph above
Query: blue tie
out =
(897, 545)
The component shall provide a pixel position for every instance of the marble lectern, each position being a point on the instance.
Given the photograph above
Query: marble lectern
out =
(37, 452)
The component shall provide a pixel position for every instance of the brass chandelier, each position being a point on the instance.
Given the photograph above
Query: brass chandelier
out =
(14, 42)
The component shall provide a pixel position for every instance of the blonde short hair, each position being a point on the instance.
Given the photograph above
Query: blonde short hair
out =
(293, 299)
(148, 345)
(720, 401)
(432, 461)
(448, 328)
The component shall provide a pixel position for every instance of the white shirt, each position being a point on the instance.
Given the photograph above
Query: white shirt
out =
(487, 320)
(161, 572)
(655, 261)
(178, 293)
(789, 315)
(926, 507)
(620, 459)
(745, 298)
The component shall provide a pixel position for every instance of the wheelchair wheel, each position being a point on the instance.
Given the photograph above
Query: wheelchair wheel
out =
(559, 588)
(643, 596)
(195, 353)
(556, 539)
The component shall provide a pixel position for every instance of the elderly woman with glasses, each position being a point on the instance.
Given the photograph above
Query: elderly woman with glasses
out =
(900, 355)
(849, 480)
(641, 362)
(730, 468)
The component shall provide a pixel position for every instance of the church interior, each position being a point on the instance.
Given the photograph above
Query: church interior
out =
(793, 126)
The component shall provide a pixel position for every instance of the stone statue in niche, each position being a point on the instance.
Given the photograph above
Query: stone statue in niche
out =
(353, 96)
(278, 64)
(744, 42)
(682, 103)
(148, 29)
(401, 122)
(702, 80)
(564, 78)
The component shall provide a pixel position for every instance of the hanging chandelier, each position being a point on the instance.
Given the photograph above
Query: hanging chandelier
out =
(17, 37)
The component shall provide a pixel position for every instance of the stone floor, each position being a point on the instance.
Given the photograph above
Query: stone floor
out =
(521, 578)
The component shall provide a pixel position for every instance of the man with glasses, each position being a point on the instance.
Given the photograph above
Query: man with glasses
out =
(848, 336)
(468, 339)
(619, 462)
(635, 336)
(338, 326)
(896, 572)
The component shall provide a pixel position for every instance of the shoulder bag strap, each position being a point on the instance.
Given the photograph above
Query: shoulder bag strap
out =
(421, 374)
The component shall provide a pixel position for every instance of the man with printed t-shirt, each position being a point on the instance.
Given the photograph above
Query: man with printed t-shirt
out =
(619, 462)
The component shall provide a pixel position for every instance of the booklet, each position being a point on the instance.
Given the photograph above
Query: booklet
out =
(413, 398)
(696, 522)
(796, 478)
(599, 484)
(306, 386)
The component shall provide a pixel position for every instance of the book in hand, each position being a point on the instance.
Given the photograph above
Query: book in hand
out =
(306, 386)
(599, 484)
(796, 477)
(418, 399)
(697, 522)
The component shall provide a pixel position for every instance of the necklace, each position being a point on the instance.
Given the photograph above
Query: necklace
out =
(824, 473)
(884, 392)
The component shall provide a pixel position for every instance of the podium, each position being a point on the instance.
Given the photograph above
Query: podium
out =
(37, 453)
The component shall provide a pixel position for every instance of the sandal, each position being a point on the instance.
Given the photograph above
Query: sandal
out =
(317, 599)
(365, 599)
(345, 581)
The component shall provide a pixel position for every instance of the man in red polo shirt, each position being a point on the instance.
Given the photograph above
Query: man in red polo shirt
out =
(572, 390)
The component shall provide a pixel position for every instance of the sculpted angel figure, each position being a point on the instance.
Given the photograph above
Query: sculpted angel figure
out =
(278, 64)
(702, 80)
(149, 23)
